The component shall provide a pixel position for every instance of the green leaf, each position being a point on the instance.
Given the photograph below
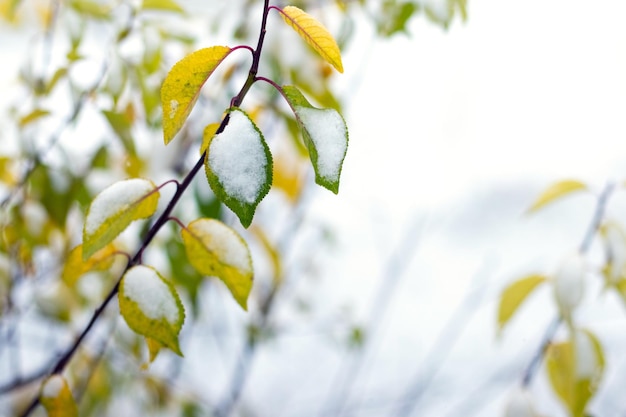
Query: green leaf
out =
(75, 266)
(121, 125)
(57, 398)
(555, 192)
(396, 16)
(114, 209)
(182, 85)
(326, 137)
(215, 249)
(315, 35)
(162, 5)
(239, 166)
(151, 307)
(514, 295)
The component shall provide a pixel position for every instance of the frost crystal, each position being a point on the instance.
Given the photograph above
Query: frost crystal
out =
(328, 133)
(53, 387)
(237, 157)
(115, 199)
(153, 297)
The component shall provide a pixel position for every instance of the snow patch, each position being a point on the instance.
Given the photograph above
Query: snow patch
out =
(225, 243)
(53, 387)
(519, 405)
(115, 199)
(586, 360)
(238, 159)
(153, 296)
(328, 133)
(173, 108)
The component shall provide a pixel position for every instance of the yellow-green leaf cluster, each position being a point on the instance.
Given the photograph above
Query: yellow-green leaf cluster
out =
(181, 87)
(57, 398)
(114, 209)
(215, 249)
(151, 306)
(315, 34)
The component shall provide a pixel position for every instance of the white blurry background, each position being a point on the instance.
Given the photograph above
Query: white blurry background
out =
(452, 135)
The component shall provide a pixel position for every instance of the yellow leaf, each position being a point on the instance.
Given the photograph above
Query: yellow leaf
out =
(164, 5)
(315, 34)
(114, 209)
(75, 266)
(514, 295)
(556, 191)
(207, 135)
(154, 347)
(215, 249)
(272, 252)
(57, 398)
(182, 85)
(151, 307)
(288, 177)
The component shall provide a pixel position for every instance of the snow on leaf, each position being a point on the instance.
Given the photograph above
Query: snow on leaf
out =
(215, 249)
(326, 137)
(239, 166)
(574, 388)
(114, 209)
(569, 283)
(556, 191)
(151, 306)
(519, 405)
(315, 34)
(57, 398)
(514, 295)
(181, 87)
(75, 266)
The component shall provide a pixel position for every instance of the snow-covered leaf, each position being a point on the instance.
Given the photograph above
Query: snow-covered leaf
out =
(57, 398)
(315, 34)
(151, 306)
(514, 295)
(114, 209)
(182, 85)
(239, 166)
(574, 370)
(215, 249)
(75, 266)
(569, 283)
(555, 192)
(326, 137)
